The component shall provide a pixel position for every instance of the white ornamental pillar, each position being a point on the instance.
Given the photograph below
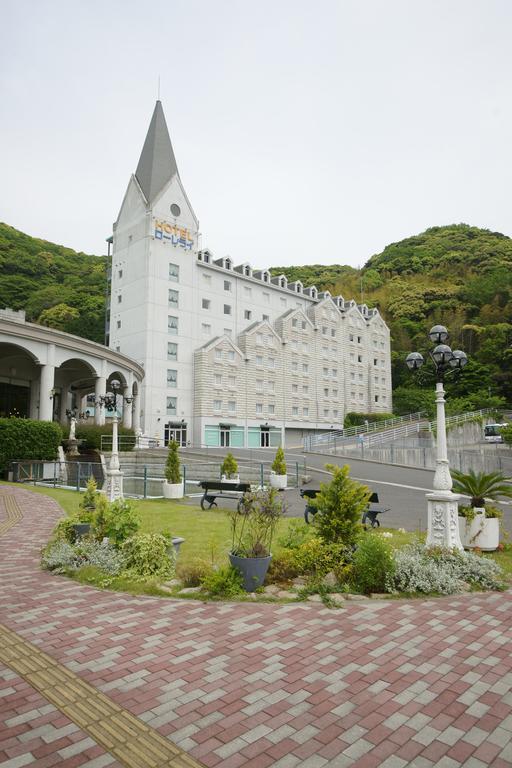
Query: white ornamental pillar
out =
(46, 383)
(443, 522)
(99, 389)
(136, 412)
(127, 408)
(64, 404)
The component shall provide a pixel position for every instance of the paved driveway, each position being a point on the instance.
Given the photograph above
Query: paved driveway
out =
(89, 677)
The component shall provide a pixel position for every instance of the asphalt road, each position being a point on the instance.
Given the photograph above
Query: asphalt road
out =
(402, 489)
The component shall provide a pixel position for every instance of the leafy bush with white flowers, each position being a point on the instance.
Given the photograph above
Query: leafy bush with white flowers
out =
(441, 570)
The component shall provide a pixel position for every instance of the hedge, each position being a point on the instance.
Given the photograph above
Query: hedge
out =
(353, 419)
(22, 439)
(91, 434)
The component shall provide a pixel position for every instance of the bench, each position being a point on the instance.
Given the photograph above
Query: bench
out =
(218, 490)
(369, 517)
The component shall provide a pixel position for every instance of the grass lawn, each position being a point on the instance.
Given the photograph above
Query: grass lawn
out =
(207, 534)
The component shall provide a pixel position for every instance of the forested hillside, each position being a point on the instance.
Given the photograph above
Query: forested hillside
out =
(457, 275)
(56, 286)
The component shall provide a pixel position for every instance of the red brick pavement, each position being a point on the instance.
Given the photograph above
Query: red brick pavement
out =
(393, 683)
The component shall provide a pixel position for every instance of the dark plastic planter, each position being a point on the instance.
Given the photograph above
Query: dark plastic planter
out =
(81, 529)
(253, 570)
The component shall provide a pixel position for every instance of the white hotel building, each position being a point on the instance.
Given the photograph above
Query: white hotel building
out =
(232, 356)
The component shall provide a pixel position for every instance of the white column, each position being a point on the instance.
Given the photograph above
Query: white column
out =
(136, 410)
(64, 404)
(34, 399)
(127, 408)
(443, 523)
(46, 382)
(99, 389)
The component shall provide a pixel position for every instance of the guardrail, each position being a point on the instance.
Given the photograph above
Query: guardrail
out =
(337, 437)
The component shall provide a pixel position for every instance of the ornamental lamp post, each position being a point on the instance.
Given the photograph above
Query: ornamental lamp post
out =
(113, 487)
(443, 526)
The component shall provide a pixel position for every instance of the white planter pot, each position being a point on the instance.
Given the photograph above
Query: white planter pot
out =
(173, 490)
(483, 532)
(278, 481)
(235, 479)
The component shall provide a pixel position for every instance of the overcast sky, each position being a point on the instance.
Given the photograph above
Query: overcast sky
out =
(305, 132)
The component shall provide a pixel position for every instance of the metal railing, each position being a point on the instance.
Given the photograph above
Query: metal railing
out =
(351, 434)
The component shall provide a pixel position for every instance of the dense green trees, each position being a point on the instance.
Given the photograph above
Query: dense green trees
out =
(457, 275)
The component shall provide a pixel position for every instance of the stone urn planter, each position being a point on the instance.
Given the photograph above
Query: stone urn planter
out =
(235, 479)
(481, 532)
(278, 481)
(172, 490)
(252, 569)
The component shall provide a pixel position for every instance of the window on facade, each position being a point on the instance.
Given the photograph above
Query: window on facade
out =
(305, 347)
(359, 358)
(270, 340)
(259, 385)
(259, 360)
(303, 325)
(305, 367)
(295, 411)
(247, 314)
(326, 412)
(231, 354)
(353, 395)
(205, 303)
(305, 411)
(334, 372)
(265, 318)
(295, 366)
(266, 297)
(217, 405)
(351, 337)
(359, 339)
(218, 354)
(282, 301)
(361, 396)
(172, 324)
(172, 406)
(271, 362)
(217, 379)
(259, 338)
(247, 290)
(228, 332)
(172, 378)
(227, 309)
(333, 332)
(335, 393)
(294, 322)
(119, 298)
(207, 278)
(173, 297)
(376, 398)
(271, 409)
(172, 351)
(120, 273)
(335, 413)
(118, 323)
(227, 285)
(295, 345)
(174, 272)
(325, 371)
(305, 390)
(271, 386)
(259, 407)
(326, 392)
(118, 348)
(375, 361)
(231, 381)
(325, 330)
(295, 388)
(352, 377)
(231, 406)
(206, 329)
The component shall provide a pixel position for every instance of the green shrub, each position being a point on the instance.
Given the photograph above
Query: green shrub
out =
(373, 564)
(315, 558)
(353, 419)
(87, 504)
(226, 582)
(229, 466)
(25, 439)
(283, 567)
(91, 435)
(279, 464)
(295, 534)
(117, 521)
(193, 572)
(147, 555)
(340, 506)
(172, 465)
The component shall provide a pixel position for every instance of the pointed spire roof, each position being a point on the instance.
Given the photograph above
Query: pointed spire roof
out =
(157, 164)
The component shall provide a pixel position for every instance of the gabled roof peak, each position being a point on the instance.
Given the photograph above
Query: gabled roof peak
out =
(157, 163)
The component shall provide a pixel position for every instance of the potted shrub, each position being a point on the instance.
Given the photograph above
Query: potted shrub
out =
(173, 483)
(479, 524)
(252, 527)
(229, 470)
(278, 476)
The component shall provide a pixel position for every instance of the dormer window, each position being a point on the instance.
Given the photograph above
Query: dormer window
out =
(247, 271)
(228, 263)
(313, 293)
(266, 277)
(283, 282)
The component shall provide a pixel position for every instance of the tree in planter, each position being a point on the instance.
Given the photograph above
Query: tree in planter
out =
(172, 465)
(279, 464)
(229, 466)
(479, 486)
(340, 507)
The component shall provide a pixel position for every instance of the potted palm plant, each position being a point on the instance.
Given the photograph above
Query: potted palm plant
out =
(278, 476)
(229, 470)
(173, 483)
(253, 526)
(479, 524)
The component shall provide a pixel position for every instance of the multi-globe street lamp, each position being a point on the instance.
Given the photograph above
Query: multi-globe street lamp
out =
(443, 527)
(113, 487)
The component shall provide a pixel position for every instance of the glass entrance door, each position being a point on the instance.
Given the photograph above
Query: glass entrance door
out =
(265, 437)
(225, 437)
(176, 432)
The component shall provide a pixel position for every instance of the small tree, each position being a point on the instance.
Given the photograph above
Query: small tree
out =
(87, 503)
(340, 504)
(229, 466)
(172, 466)
(279, 464)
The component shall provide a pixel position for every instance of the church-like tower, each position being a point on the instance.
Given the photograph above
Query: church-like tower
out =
(153, 261)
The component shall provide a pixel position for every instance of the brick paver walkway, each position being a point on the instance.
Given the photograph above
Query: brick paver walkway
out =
(378, 683)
